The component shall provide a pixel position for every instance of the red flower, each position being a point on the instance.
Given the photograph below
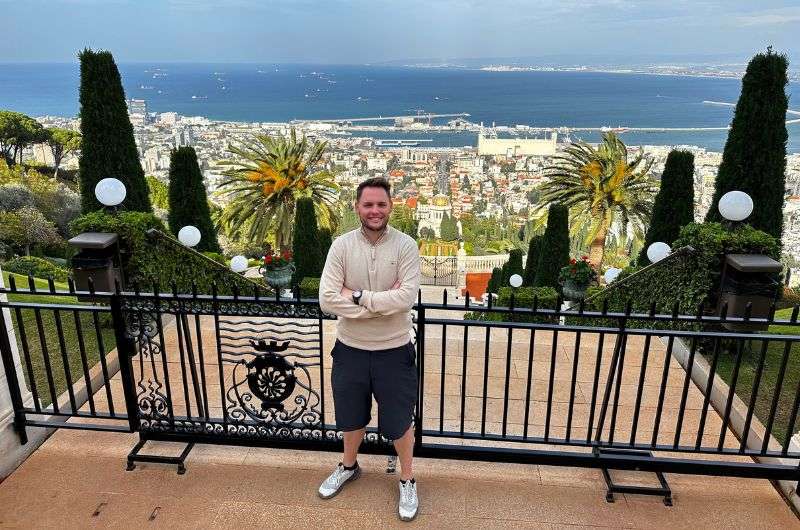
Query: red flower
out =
(585, 258)
(572, 261)
(268, 260)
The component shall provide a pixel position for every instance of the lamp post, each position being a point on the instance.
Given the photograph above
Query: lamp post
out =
(611, 274)
(748, 283)
(189, 235)
(735, 207)
(110, 192)
(239, 264)
(658, 251)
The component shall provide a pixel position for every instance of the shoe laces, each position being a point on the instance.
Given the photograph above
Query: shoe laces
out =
(337, 477)
(408, 492)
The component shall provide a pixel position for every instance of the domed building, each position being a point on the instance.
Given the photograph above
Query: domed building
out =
(431, 215)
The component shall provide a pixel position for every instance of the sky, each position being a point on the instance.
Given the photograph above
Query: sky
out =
(374, 31)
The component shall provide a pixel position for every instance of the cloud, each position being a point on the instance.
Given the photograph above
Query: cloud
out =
(769, 17)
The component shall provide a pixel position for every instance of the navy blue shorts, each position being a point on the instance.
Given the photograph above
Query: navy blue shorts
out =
(389, 375)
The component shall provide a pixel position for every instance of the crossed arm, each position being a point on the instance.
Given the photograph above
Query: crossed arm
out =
(335, 298)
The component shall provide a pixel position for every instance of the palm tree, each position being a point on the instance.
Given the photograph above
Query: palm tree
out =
(605, 191)
(265, 182)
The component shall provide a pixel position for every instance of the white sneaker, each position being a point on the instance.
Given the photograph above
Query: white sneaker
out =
(409, 502)
(340, 476)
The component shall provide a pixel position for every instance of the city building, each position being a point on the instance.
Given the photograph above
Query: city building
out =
(514, 147)
(137, 112)
(431, 215)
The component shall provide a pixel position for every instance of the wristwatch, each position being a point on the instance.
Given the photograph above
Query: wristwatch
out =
(356, 297)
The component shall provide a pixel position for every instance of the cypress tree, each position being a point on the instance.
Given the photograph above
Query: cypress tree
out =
(754, 158)
(674, 204)
(555, 247)
(324, 246)
(188, 202)
(108, 148)
(448, 230)
(305, 241)
(494, 281)
(532, 261)
(512, 266)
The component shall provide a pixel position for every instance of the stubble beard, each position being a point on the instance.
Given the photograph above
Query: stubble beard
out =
(366, 227)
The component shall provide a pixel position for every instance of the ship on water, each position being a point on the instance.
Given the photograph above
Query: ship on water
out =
(399, 143)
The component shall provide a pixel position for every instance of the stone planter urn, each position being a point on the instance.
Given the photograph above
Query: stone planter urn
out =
(573, 290)
(278, 277)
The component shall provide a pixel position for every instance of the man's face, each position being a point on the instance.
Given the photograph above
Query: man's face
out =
(374, 208)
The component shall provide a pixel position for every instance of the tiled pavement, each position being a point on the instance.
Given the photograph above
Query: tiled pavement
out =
(77, 480)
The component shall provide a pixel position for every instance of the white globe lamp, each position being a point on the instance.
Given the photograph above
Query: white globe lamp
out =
(110, 192)
(189, 235)
(238, 264)
(735, 206)
(515, 280)
(658, 251)
(611, 274)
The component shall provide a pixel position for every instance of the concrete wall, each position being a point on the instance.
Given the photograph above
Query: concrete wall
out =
(516, 146)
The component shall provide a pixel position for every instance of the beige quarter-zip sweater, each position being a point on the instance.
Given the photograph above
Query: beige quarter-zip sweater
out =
(382, 320)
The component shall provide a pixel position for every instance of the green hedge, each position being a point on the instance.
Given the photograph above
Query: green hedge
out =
(547, 298)
(36, 267)
(159, 257)
(216, 256)
(692, 278)
(309, 288)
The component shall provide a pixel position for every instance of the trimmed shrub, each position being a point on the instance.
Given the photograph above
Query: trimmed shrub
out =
(147, 258)
(188, 202)
(108, 148)
(495, 280)
(532, 261)
(305, 241)
(216, 256)
(325, 243)
(512, 266)
(555, 247)
(37, 267)
(695, 277)
(546, 298)
(674, 204)
(309, 288)
(754, 158)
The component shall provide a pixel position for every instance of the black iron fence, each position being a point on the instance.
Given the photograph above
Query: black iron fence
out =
(599, 389)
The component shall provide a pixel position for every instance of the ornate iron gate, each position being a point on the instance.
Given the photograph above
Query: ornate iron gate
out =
(439, 270)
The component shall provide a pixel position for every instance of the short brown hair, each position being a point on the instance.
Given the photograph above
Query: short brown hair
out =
(375, 182)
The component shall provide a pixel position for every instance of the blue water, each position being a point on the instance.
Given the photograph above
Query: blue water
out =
(286, 92)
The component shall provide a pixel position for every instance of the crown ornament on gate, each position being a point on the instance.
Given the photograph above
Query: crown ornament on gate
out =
(270, 376)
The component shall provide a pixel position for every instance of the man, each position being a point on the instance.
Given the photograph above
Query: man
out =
(371, 280)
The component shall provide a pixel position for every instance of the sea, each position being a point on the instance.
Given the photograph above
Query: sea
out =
(284, 92)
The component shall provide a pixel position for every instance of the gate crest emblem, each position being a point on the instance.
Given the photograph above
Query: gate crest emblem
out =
(270, 376)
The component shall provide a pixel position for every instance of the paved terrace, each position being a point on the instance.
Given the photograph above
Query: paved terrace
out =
(77, 479)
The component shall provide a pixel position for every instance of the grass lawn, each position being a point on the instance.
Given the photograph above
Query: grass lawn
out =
(51, 339)
(772, 363)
